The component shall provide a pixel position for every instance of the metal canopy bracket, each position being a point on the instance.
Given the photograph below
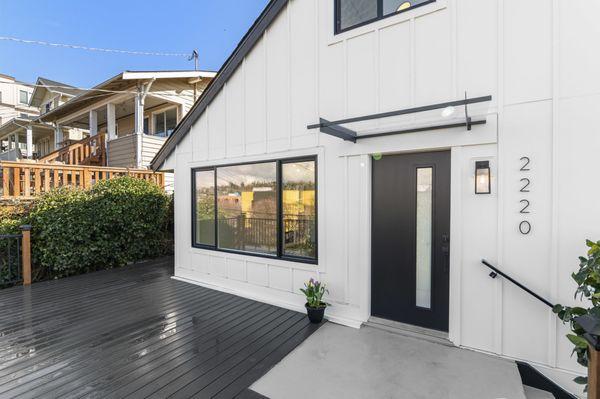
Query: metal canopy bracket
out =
(337, 131)
(333, 128)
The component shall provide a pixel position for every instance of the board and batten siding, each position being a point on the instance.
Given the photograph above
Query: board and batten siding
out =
(533, 57)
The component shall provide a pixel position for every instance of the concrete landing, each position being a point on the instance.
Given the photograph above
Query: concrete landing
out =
(338, 361)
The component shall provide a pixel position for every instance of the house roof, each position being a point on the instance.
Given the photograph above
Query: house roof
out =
(44, 84)
(244, 47)
(122, 82)
(20, 123)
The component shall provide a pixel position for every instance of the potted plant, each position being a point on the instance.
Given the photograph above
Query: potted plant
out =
(315, 307)
(588, 291)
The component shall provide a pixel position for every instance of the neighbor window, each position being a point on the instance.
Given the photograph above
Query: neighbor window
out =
(165, 122)
(262, 208)
(23, 97)
(353, 13)
(146, 127)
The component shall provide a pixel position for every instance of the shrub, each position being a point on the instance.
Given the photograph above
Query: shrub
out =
(115, 222)
(588, 289)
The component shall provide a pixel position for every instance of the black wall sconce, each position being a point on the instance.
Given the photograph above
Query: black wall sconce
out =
(483, 183)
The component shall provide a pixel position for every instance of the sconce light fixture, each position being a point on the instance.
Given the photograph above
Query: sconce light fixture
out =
(483, 184)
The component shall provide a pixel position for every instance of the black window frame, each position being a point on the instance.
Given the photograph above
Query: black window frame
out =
(280, 253)
(338, 21)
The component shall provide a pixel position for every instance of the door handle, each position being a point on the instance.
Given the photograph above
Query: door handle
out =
(446, 251)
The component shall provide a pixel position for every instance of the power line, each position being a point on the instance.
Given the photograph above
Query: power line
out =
(104, 50)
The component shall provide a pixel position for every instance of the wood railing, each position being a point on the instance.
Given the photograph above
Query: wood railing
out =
(24, 180)
(91, 150)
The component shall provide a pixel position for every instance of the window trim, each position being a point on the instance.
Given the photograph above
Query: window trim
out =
(280, 254)
(26, 95)
(162, 111)
(337, 22)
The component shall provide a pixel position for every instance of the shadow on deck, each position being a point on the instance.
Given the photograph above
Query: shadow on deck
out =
(136, 332)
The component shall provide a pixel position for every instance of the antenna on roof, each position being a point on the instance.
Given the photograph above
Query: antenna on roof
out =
(194, 56)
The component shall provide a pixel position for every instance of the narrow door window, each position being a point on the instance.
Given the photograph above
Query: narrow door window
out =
(424, 229)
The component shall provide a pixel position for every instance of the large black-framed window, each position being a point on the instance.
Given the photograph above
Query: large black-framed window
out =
(263, 208)
(350, 14)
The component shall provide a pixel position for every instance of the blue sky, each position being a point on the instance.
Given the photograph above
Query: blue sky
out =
(214, 27)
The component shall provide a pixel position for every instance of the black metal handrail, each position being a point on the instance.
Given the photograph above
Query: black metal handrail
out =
(495, 272)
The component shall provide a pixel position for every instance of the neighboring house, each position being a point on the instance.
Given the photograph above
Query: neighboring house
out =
(400, 220)
(21, 127)
(14, 99)
(133, 113)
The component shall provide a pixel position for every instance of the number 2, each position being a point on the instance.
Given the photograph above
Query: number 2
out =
(525, 167)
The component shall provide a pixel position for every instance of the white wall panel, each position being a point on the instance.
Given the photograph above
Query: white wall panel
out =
(303, 67)
(579, 34)
(527, 50)
(478, 236)
(395, 67)
(361, 80)
(433, 58)
(280, 278)
(217, 127)
(257, 273)
(278, 83)
(236, 269)
(200, 139)
(234, 94)
(255, 95)
(477, 48)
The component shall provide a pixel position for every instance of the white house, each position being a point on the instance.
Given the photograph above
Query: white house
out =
(342, 139)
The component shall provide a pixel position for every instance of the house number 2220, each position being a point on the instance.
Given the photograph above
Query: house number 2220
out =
(524, 225)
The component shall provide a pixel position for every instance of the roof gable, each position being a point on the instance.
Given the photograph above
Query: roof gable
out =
(244, 47)
(42, 85)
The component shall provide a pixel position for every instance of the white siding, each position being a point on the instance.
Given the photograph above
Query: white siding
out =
(532, 57)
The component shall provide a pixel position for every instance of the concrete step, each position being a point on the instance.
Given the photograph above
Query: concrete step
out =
(534, 393)
(339, 361)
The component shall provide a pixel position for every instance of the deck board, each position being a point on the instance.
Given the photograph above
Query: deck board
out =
(135, 332)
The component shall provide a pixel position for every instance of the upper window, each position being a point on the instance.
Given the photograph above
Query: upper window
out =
(266, 208)
(23, 97)
(165, 122)
(353, 13)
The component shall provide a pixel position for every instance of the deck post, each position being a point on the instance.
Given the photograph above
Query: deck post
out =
(593, 373)
(26, 254)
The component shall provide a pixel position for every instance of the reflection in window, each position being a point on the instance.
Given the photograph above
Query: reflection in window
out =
(299, 210)
(23, 97)
(424, 230)
(355, 12)
(165, 122)
(351, 13)
(247, 207)
(205, 207)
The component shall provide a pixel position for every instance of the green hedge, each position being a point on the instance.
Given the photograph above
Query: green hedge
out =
(116, 222)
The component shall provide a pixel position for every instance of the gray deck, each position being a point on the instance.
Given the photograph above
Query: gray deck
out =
(135, 332)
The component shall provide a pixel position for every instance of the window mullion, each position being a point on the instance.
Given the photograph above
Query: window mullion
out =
(279, 211)
(379, 8)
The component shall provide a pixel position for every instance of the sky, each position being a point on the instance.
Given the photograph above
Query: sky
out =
(213, 27)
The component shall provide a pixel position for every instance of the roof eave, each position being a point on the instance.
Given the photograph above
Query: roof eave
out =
(244, 47)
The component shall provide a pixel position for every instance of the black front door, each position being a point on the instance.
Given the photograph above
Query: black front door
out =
(411, 239)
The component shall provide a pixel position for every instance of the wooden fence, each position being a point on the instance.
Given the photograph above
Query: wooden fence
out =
(25, 180)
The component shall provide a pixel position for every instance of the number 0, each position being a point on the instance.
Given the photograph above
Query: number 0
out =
(525, 227)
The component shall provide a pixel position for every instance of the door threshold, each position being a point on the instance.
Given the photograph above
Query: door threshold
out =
(409, 330)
